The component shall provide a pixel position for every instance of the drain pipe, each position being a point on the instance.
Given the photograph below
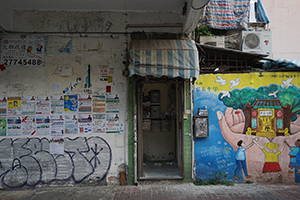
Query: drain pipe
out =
(135, 135)
(192, 128)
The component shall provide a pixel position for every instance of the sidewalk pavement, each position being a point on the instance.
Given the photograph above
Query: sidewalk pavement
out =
(257, 191)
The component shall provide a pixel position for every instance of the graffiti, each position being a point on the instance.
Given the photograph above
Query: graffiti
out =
(28, 162)
(72, 85)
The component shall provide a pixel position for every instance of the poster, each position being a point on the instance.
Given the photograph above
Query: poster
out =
(99, 124)
(112, 113)
(28, 105)
(57, 144)
(99, 104)
(14, 126)
(28, 125)
(42, 125)
(71, 124)
(103, 72)
(57, 125)
(3, 106)
(70, 103)
(22, 52)
(85, 123)
(42, 105)
(57, 105)
(85, 104)
(2, 126)
(14, 106)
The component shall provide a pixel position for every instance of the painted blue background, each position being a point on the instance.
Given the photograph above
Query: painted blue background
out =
(213, 154)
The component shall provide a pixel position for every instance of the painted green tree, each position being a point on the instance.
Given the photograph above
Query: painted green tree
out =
(246, 97)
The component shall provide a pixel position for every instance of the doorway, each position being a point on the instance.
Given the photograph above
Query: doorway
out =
(159, 117)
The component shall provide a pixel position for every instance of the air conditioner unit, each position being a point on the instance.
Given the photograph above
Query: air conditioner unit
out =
(257, 42)
(217, 41)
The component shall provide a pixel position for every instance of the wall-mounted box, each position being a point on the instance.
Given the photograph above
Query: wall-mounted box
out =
(201, 126)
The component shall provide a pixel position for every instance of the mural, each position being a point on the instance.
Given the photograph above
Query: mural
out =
(254, 125)
(28, 162)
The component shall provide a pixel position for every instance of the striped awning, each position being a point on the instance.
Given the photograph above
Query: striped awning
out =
(172, 58)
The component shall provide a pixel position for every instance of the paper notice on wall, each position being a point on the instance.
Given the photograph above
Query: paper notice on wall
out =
(57, 125)
(28, 105)
(85, 123)
(85, 104)
(57, 144)
(14, 106)
(22, 52)
(42, 125)
(71, 124)
(14, 126)
(3, 106)
(99, 104)
(99, 123)
(103, 72)
(42, 105)
(112, 113)
(3, 126)
(55, 87)
(28, 125)
(57, 105)
(70, 103)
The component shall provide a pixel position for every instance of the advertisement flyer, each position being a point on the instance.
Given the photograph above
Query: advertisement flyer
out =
(57, 144)
(28, 125)
(57, 125)
(99, 103)
(42, 125)
(85, 104)
(70, 103)
(85, 123)
(14, 126)
(2, 126)
(99, 123)
(112, 113)
(3, 106)
(22, 52)
(42, 105)
(28, 105)
(71, 124)
(14, 106)
(57, 105)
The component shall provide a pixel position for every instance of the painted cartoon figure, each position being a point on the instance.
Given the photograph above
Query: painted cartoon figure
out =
(293, 155)
(232, 124)
(240, 158)
(271, 152)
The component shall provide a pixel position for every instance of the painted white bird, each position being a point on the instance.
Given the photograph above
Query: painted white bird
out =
(274, 94)
(287, 83)
(234, 83)
(220, 80)
(225, 94)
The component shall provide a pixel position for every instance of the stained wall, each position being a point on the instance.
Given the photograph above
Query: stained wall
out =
(94, 158)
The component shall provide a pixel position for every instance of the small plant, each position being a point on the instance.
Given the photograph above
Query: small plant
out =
(204, 31)
(219, 180)
(249, 182)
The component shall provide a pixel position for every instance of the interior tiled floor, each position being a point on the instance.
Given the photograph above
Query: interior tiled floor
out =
(161, 170)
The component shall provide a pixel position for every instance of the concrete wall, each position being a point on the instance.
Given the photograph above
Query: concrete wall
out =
(231, 120)
(95, 22)
(87, 159)
(283, 24)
